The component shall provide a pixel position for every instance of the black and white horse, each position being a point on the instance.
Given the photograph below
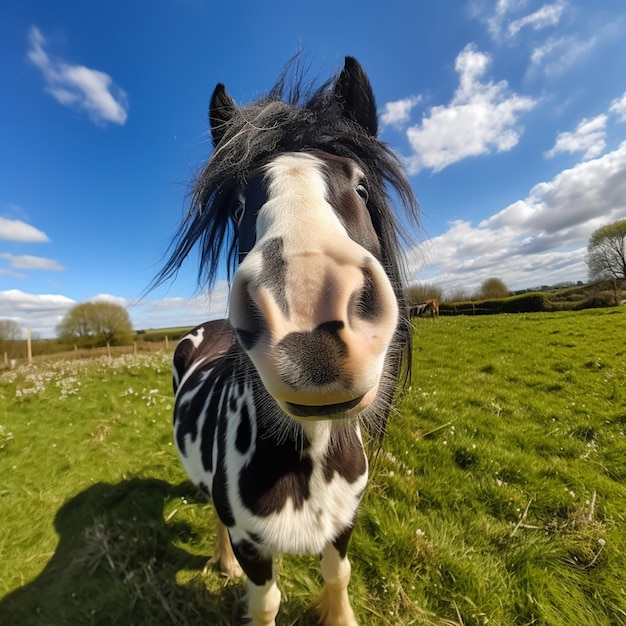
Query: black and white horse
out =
(270, 403)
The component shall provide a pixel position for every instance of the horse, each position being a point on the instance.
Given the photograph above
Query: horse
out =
(274, 406)
(430, 308)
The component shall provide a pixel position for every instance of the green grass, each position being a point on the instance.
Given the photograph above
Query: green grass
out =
(499, 496)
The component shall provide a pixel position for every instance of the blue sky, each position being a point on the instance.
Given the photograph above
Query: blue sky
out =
(510, 116)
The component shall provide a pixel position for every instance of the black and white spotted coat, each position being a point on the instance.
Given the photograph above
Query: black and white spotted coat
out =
(285, 488)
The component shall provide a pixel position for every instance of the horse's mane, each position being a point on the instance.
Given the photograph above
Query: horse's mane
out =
(290, 118)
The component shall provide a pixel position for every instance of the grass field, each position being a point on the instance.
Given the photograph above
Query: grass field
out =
(499, 497)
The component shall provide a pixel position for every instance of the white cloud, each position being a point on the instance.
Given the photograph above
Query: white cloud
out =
(500, 22)
(618, 107)
(547, 15)
(29, 262)
(556, 51)
(481, 117)
(503, 7)
(16, 230)
(539, 240)
(40, 312)
(588, 138)
(588, 191)
(18, 300)
(398, 113)
(79, 86)
(107, 297)
(557, 54)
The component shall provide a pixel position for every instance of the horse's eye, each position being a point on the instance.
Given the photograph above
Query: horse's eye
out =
(237, 212)
(362, 191)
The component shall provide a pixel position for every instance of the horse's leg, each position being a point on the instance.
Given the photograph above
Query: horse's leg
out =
(333, 604)
(263, 593)
(224, 558)
(263, 603)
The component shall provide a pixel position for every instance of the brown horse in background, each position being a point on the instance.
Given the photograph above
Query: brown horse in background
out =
(430, 308)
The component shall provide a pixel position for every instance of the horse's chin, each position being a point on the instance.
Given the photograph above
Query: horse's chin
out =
(336, 411)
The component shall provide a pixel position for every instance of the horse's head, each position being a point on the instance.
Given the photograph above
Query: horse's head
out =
(298, 191)
(311, 303)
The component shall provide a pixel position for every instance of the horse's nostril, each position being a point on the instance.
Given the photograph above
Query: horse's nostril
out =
(249, 335)
(366, 303)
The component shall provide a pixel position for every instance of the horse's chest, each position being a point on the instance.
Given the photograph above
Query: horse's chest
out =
(298, 512)
(291, 494)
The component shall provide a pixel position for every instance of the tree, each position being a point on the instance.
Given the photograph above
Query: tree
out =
(10, 335)
(10, 330)
(493, 288)
(458, 294)
(606, 252)
(92, 324)
(422, 292)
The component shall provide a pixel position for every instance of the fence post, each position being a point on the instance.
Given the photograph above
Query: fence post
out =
(108, 349)
(29, 346)
(167, 342)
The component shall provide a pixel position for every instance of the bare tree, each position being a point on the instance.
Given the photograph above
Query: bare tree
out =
(458, 294)
(10, 330)
(10, 336)
(422, 292)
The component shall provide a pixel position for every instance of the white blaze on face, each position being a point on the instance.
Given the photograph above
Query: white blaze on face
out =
(297, 204)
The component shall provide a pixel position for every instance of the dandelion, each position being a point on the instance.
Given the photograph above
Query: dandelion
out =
(391, 457)
(149, 397)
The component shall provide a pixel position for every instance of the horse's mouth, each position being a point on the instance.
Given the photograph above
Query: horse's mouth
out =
(337, 410)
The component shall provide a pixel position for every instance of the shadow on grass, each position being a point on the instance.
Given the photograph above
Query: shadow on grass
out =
(116, 563)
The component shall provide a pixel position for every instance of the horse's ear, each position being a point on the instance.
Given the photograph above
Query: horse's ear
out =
(354, 91)
(221, 111)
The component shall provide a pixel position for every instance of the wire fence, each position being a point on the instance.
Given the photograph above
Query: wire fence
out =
(21, 354)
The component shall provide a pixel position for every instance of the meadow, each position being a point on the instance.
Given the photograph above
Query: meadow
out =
(499, 496)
